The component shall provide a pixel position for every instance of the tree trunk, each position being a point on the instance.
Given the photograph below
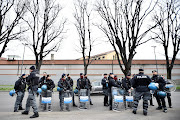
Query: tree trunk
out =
(169, 71)
(85, 69)
(37, 61)
(39, 65)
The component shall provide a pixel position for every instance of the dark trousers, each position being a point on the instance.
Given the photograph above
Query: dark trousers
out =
(137, 97)
(161, 101)
(110, 101)
(19, 99)
(105, 100)
(31, 101)
(169, 99)
(105, 92)
(73, 98)
(151, 100)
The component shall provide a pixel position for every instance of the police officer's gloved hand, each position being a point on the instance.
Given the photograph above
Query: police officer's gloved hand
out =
(86, 87)
(17, 92)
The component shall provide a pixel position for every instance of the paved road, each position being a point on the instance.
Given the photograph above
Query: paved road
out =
(95, 112)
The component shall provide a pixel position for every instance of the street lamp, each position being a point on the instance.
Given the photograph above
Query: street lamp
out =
(23, 56)
(112, 63)
(155, 56)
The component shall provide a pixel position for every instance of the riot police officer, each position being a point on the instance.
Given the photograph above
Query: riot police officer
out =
(41, 82)
(168, 95)
(126, 85)
(118, 82)
(88, 87)
(80, 82)
(160, 100)
(104, 83)
(42, 79)
(48, 93)
(20, 86)
(32, 81)
(70, 81)
(62, 93)
(141, 82)
(110, 85)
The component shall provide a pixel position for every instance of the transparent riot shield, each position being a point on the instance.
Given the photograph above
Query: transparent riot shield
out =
(117, 99)
(46, 100)
(170, 86)
(68, 99)
(129, 98)
(83, 99)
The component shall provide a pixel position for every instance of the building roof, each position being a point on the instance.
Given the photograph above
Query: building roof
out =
(80, 62)
(1, 58)
(98, 55)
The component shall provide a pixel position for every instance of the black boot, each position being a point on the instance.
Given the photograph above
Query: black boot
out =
(134, 111)
(20, 108)
(74, 105)
(165, 109)
(35, 115)
(25, 113)
(15, 110)
(91, 103)
(159, 108)
(145, 113)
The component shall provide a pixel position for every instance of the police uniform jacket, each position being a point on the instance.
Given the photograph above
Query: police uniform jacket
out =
(141, 82)
(103, 82)
(32, 79)
(158, 79)
(20, 85)
(112, 84)
(126, 84)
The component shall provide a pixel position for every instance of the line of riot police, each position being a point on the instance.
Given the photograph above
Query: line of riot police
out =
(140, 84)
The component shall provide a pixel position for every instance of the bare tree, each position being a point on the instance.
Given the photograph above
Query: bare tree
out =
(125, 27)
(83, 23)
(168, 30)
(9, 29)
(45, 28)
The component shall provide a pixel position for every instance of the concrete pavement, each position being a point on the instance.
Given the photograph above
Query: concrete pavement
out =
(95, 112)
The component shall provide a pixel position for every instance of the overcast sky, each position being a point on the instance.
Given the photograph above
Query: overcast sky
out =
(69, 46)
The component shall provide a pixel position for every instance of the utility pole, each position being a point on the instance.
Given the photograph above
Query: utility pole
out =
(155, 56)
(23, 57)
(112, 63)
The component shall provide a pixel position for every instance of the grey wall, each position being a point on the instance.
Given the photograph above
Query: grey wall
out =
(8, 73)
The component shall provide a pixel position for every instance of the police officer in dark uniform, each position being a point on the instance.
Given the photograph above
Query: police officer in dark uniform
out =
(80, 82)
(110, 85)
(160, 100)
(126, 85)
(141, 82)
(42, 79)
(32, 81)
(126, 82)
(41, 82)
(65, 86)
(48, 93)
(104, 83)
(118, 82)
(88, 87)
(70, 81)
(20, 86)
(168, 95)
